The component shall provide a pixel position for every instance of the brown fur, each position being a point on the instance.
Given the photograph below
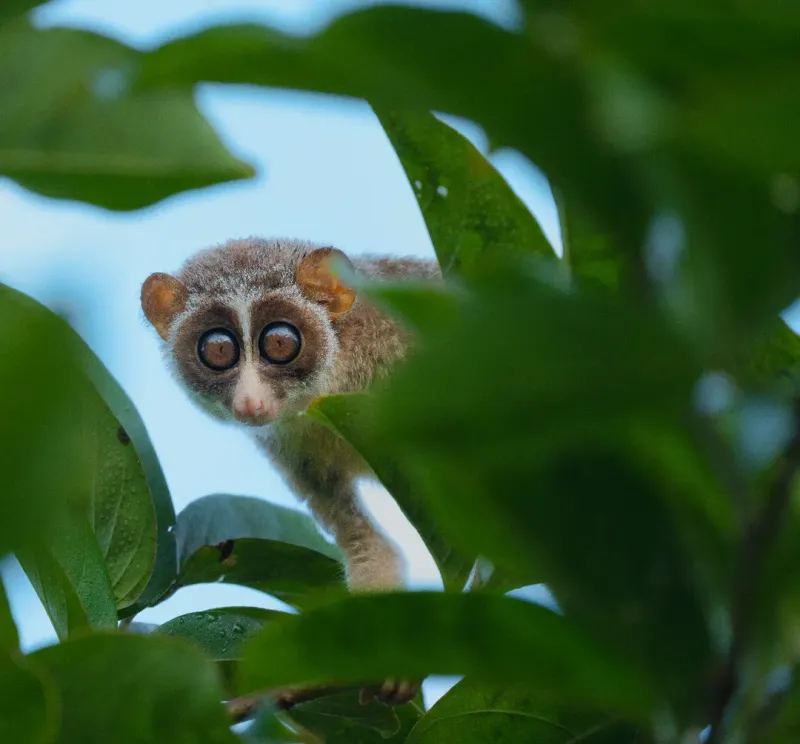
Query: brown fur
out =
(346, 343)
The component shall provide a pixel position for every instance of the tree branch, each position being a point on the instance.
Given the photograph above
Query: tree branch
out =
(244, 708)
(758, 536)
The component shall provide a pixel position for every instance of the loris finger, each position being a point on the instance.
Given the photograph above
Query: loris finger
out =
(392, 692)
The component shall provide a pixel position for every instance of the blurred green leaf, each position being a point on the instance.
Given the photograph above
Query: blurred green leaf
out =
(347, 416)
(248, 541)
(721, 152)
(418, 305)
(131, 689)
(43, 456)
(591, 255)
(9, 638)
(411, 635)
(526, 92)
(520, 351)
(470, 210)
(77, 131)
(740, 265)
(69, 575)
(570, 442)
(477, 713)
(342, 719)
(12, 9)
(29, 704)
(773, 357)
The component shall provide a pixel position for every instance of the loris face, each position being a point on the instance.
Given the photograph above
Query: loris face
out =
(249, 327)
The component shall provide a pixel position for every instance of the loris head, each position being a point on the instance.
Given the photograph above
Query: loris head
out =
(249, 327)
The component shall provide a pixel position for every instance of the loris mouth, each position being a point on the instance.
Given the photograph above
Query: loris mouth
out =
(254, 420)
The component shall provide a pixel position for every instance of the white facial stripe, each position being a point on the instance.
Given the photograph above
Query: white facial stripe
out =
(241, 303)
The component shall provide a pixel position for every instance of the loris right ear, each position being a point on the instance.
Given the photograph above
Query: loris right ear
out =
(163, 297)
(317, 279)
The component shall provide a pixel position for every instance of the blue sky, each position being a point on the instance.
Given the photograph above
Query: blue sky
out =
(325, 173)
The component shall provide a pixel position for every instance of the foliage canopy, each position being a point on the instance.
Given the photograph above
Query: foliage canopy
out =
(561, 421)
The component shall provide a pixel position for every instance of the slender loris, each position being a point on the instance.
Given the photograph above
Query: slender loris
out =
(255, 330)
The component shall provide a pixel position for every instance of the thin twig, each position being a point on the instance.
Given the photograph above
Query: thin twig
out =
(757, 538)
(244, 708)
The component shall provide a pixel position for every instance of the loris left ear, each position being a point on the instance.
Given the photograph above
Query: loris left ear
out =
(163, 297)
(317, 280)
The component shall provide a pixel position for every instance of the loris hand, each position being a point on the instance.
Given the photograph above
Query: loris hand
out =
(391, 692)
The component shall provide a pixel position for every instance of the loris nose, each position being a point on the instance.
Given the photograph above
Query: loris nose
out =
(248, 408)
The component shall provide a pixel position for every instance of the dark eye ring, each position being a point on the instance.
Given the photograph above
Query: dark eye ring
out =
(218, 349)
(279, 343)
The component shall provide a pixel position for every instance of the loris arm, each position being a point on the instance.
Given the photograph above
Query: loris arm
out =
(372, 562)
(321, 470)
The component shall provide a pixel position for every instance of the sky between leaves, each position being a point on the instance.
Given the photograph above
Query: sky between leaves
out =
(326, 173)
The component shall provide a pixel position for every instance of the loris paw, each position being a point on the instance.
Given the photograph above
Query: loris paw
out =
(391, 692)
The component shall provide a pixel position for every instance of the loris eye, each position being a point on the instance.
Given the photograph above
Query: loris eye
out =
(279, 343)
(218, 349)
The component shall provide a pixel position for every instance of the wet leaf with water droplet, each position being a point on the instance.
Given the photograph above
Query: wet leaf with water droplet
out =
(221, 633)
(69, 575)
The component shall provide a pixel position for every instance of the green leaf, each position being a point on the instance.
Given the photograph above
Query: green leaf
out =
(29, 704)
(248, 541)
(12, 9)
(570, 461)
(775, 355)
(411, 635)
(122, 512)
(723, 155)
(129, 505)
(130, 689)
(9, 638)
(591, 255)
(342, 719)
(42, 452)
(220, 632)
(69, 575)
(740, 266)
(470, 210)
(476, 713)
(347, 416)
(526, 94)
(575, 358)
(77, 131)
(132, 511)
